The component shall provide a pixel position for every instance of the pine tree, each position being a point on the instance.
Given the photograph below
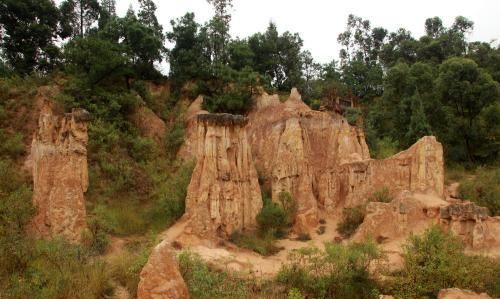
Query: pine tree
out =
(419, 126)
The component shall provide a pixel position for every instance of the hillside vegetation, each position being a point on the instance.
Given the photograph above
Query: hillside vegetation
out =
(404, 87)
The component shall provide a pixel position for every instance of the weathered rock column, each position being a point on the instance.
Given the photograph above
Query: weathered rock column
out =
(224, 194)
(60, 174)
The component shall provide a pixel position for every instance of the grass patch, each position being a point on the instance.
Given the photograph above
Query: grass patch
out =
(337, 272)
(126, 267)
(381, 195)
(263, 245)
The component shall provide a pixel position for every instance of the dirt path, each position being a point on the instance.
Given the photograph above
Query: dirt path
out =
(229, 257)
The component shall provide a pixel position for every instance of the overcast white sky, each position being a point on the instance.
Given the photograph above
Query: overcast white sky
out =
(320, 21)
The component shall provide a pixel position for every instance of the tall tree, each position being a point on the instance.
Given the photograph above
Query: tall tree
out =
(29, 30)
(107, 12)
(466, 90)
(219, 30)
(277, 57)
(189, 58)
(78, 16)
(419, 126)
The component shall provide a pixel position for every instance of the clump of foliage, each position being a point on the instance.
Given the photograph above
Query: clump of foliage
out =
(337, 272)
(483, 188)
(353, 115)
(436, 261)
(384, 148)
(277, 216)
(381, 195)
(262, 244)
(351, 220)
(126, 267)
(205, 283)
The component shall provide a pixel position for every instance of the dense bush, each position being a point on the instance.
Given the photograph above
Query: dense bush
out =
(436, 261)
(353, 115)
(262, 244)
(204, 283)
(351, 220)
(483, 188)
(126, 266)
(381, 195)
(337, 272)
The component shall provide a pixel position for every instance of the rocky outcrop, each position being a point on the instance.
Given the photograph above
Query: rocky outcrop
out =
(149, 124)
(472, 224)
(160, 278)
(396, 220)
(321, 160)
(294, 146)
(60, 175)
(224, 194)
(418, 169)
(461, 294)
(414, 213)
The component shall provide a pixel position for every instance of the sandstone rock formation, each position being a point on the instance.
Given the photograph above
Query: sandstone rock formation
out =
(460, 294)
(417, 169)
(60, 175)
(160, 278)
(413, 213)
(407, 214)
(472, 224)
(321, 160)
(224, 194)
(294, 146)
(149, 124)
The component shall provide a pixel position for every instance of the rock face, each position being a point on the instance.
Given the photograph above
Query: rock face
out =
(412, 213)
(418, 169)
(160, 278)
(321, 160)
(396, 220)
(294, 147)
(60, 175)
(224, 194)
(460, 294)
(472, 224)
(149, 124)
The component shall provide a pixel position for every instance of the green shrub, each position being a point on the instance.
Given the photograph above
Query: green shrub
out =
(126, 267)
(263, 245)
(16, 209)
(483, 188)
(351, 220)
(175, 138)
(141, 149)
(289, 206)
(381, 195)
(271, 217)
(59, 270)
(204, 283)
(295, 294)
(96, 238)
(315, 104)
(385, 147)
(436, 261)
(123, 219)
(12, 145)
(352, 115)
(337, 272)
(169, 191)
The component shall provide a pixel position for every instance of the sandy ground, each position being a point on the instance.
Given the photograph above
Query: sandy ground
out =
(227, 256)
